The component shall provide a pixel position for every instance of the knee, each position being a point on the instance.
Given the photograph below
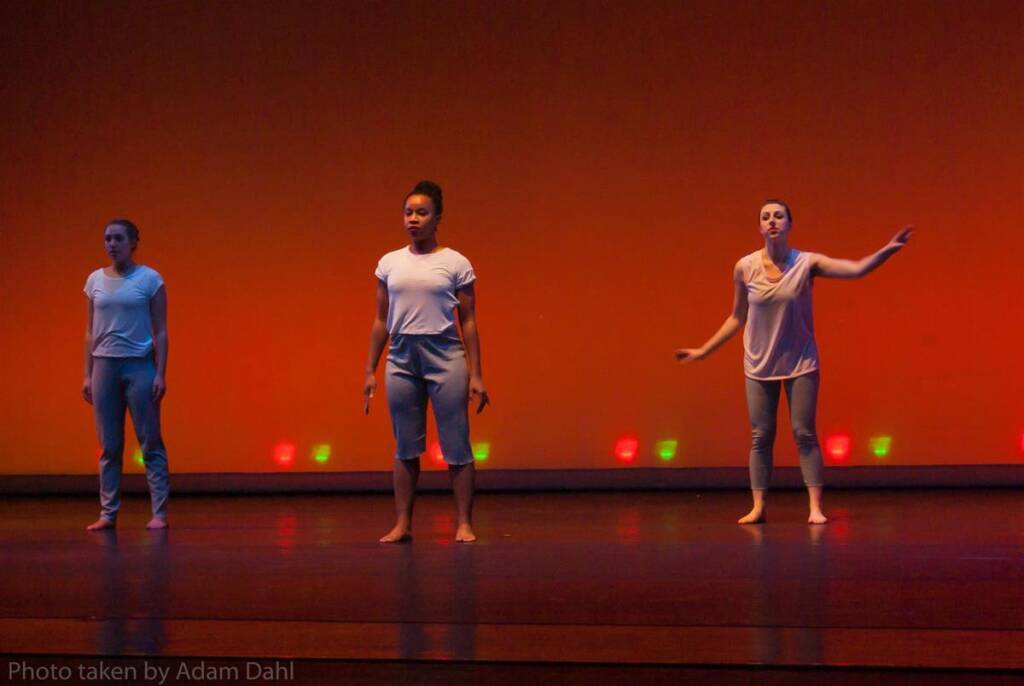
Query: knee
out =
(805, 438)
(762, 439)
(150, 443)
(112, 446)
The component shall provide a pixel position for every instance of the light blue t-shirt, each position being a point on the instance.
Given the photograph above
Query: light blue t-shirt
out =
(121, 323)
(422, 289)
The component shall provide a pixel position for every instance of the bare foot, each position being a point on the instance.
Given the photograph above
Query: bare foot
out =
(100, 525)
(755, 516)
(400, 534)
(817, 517)
(157, 523)
(464, 534)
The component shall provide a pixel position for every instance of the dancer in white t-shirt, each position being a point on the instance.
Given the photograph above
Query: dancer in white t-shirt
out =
(773, 298)
(126, 368)
(419, 288)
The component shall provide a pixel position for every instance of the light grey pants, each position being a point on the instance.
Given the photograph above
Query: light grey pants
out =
(429, 366)
(120, 383)
(763, 405)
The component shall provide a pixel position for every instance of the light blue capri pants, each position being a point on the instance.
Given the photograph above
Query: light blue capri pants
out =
(763, 404)
(120, 383)
(429, 366)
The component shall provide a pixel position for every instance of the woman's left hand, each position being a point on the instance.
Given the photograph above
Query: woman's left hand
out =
(159, 388)
(477, 390)
(900, 239)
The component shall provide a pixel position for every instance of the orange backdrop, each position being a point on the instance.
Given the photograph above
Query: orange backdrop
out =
(603, 164)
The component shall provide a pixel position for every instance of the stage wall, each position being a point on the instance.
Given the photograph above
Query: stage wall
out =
(603, 165)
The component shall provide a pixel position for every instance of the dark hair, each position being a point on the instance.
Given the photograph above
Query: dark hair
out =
(432, 191)
(776, 201)
(128, 226)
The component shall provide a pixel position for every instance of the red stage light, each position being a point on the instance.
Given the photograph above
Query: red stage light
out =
(284, 454)
(838, 447)
(626, 449)
(435, 453)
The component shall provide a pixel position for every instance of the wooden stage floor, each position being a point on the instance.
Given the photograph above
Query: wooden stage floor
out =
(902, 586)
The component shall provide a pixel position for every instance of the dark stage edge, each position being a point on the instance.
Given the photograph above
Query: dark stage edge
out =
(510, 480)
(900, 587)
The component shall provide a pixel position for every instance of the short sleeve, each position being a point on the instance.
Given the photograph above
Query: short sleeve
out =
(87, 288)
(464, 274)
(156, 282)
(381, 272)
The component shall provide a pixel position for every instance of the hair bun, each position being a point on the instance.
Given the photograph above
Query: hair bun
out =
(431, 190)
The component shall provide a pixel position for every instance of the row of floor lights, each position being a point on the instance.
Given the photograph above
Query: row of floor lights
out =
(284, 453)
(837, 447)
(628, 447)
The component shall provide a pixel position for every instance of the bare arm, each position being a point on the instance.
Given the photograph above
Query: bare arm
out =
(158, 316)
(87, 377)
(831, 267)
(378, 337)
(733, 323)
(471, 337)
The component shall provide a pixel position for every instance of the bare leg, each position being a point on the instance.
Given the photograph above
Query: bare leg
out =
(756, 515)
(817, 516)
(406, 474)
(463, 477)
(101, 524)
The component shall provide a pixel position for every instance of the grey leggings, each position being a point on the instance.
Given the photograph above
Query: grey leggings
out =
(763, 405)
(120, 383)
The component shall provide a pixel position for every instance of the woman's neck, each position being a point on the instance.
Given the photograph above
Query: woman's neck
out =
(423, 247)
(777, 251)
(122, 268)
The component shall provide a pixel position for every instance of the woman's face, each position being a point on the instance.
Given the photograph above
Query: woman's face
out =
(119, 246)
(775, 222)
(420, 218)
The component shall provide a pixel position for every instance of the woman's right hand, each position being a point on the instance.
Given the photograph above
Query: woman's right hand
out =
(87, 390)
(369, 386)
(684, 355)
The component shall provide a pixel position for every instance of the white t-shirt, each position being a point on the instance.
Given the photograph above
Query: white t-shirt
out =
(121, 324)
(421, 289)
(778, 341)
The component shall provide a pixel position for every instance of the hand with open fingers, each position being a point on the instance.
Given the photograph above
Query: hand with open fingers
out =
(684, 355)
(477, 390)
(369, 386)
(902, 237)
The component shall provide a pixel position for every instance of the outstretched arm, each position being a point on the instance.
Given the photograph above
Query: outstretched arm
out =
(729, 327)
(854, 269)
(470, 335)
(378, 337)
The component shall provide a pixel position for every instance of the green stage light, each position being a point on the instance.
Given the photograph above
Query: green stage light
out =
(880, 445)
(321, 453)
(666, 449)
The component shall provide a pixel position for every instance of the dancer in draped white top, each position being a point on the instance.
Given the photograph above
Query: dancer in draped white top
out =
(773, 299)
